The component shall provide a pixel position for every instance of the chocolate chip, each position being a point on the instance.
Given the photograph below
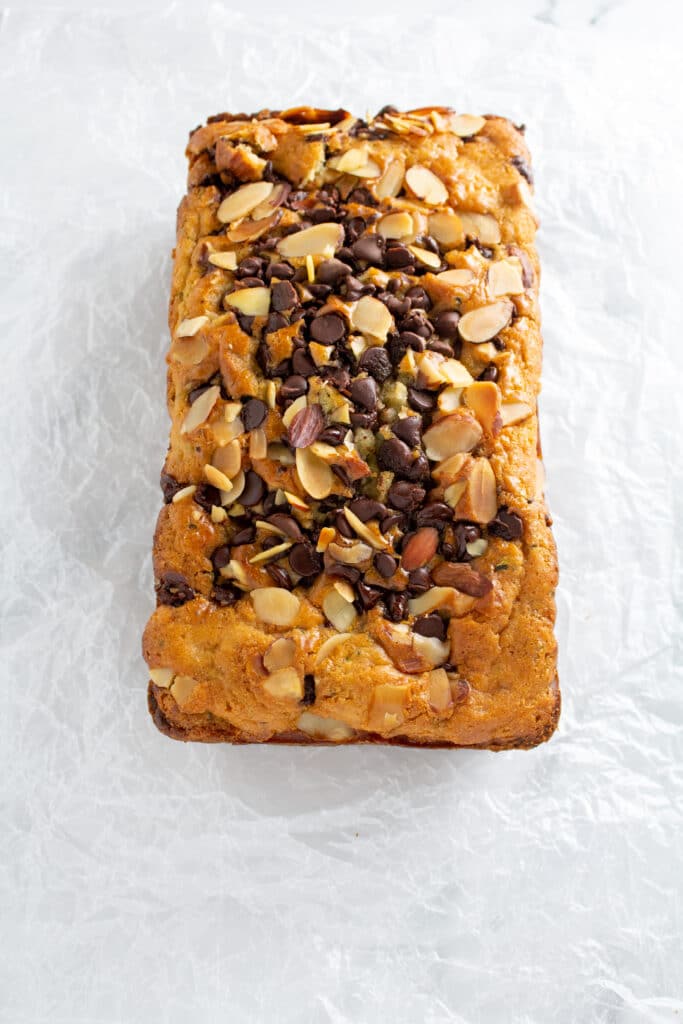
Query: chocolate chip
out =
(395, 520)
(362, 196)
(173, 589)
(275, 322)
(323, 214)
(279, 576)
(421, 401)
(222, 555)
(395, 348)
(306, 426)
(302, 363)
(419, 581)
(376, 362)
(395, 456)
(342, 525)
(293, 387)
(523, 167)
(244, 536)
(283, 295)
(251, 282)
(408, 429)
(339, 376)
(367, 508)
(246, 322)
(405, 496)
(252, 266)
(417, 322)
(254, 489)
(418, 298)
(397, 307)
(430, 625)
(446, 324)
(253, 413)
(287, 524)
(331, 272)
(353, 289)
(364, 392)
(485, 250)
(345, 572)
(443, 347)
(507, 524)
(489, 373)
(283, 271)
(305, 560)
(309, 689)
(385, 564)
(397, 606)
(369, 248)
(367, 595)
(354, 228)
(334, 434)
(398, 257)
(225, 595)
(169, 486)
(328, 329)
(436, 513)
(206, 497)
(319, 291)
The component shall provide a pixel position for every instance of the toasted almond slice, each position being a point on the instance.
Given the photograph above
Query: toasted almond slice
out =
(356, 554)
(461, 277)
(231, 410)
(315, 476)
(486, 322)
(477, 548)
(250, 301)
(325, 538)
(275, 199)
(372, 317)
(514, 412)
(258, 444)
(373, 537)
(200, 410)
(270, 393)
(481, 492)
(324, 728)
(454, 492)
(228, 459)
(449, 399)
(296, 502)
(446, 227)
(349, 161)
(218, 514)
(389, 185)
(342, 414)
(280, 654)
(248, 230)
(292, 410)
(338, 610)
(450, 435)
(284, 684)
(225, 432)
(275, 605)
(396, 225)
(482, 226)
(344, 588)
(230, 496)
(446, 598)
(505, 278)
(271, 553)
(314, 241)
(182, 689)
(387, 706)
(370, 169)
(188, 328)
(483, 398)
(184, 492)
(329, 645)
(424, 256)
(434, 651)
(161, 677)
(224, 260)
(466, 125)
(439, 688)
(457, 375)
(243, 201)
(190, 352)
(216, 478)
(424, 184)
(450, 467)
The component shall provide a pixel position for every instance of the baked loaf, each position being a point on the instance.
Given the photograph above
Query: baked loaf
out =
(355, 546)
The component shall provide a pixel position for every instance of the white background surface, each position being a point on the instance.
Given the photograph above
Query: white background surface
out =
(147, 881)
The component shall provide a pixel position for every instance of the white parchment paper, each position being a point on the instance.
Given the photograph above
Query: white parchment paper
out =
(147, 881)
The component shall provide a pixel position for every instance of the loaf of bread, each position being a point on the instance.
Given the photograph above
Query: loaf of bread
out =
(354, 545)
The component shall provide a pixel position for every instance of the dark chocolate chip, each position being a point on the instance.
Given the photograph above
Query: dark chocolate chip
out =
(354, 228)
(319, 291)
(342, 525)
(418, 298)
(334, 434)
(345, 572)
(395, 456)
(523, 167)
(287, 524)
(367, 595)
(207, 496)
(254, 489)
(328, 329)
(368, 420)
(254, 412)
(489, 373)
(397, 606)
(412, 340)
(369, 248)
(395, 520)
(279, 576)
(283, 295)
(252, 266)
(419, 581)
(302, 363)
(417, 322)
(421, 401)
(446, 324)
(281, 270)
(436, 513)
(339, 376)
(385, 564)
(408, 429)
(245, 322)
(367, 508)
(169, 486)
(330, 272)
(323, 214)
(305, 560)
(405, 496)
(443, 347)
(244, 536)
(225, 595)
(221, 556)
(362, 196)
(398, 257)
(173, 589)
(309, 689)
(397, 307)
(364, 392)
(376, 362)
(293, 387)
(507, 524)
(251, 282)
(430, 625)
(395, 348)
(275, 322)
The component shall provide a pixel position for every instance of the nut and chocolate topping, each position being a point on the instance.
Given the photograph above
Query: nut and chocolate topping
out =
(354, 317)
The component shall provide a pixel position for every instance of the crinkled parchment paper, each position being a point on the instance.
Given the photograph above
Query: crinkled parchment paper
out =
(143, 881)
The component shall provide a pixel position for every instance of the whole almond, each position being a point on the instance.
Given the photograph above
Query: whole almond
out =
(463, 577)
(306, 426)
(420, 548)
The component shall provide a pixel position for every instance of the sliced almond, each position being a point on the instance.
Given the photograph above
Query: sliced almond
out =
(446, 227)
(457, 375)
(446, 598)
(275, 605)
(230, 496)
(218, 514)
(342, 414)
(243, 201)
(452, 434)
(258, 443)
(449, 399)
(396, 225)
(296, 502)
(387, 706)
(200, 410)
(481, 493)
(454, 492)
(451, 467)
(424, 184)
(482, 226)
(250, 301)
(315, 476)
(182, 689)
(224, 260)
(280, 654)
(477, 548)
(184, 492)
(225, 432)
(483, 398)
(466, 125)
(505, 278)
(389, 185)
(189, 327)
(439, 688)
(314, 241)
(228, 459)
(270, 554)
(356, 554)
(292, 410)
(514, 412)
(432, 650)
(373, 537)
(339, 611)
(460, 277)
(350, 160)
(424, 256)
(486, 322)
(324, 728)
(190, 352)
(161, 677)
(329, 645)
(284, 684)
(371, 316)
(248, 230)
(217, 479)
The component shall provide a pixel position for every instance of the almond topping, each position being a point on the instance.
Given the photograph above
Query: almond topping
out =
(258, 444)
(388, 704)
(481, 226)
(483, 398)
(420, 549)
(284, 683)
(315, 476)
(371, 316)
(505, 278)
(229, 496)
(217, 479)
(224, 260)
(350, 160)
(440, 697)
(459, 432)
(182, 689)
(324, 728)
(329, 645)
(184, 492)
(449, 399)
(280, 654)
(463, 577)
(191, 352)
(250, 301)
(427, 258)
(466, 125)
(425, 185)
(293, 410)
(218, 514)
(200, 410)
(454, 492)
(481, 492)
(271, 553)
(243, 201)
(356, 554)
(514, 412)
(228, 459)
(389, 185)
(315, 241)
(251, 229)
(188, 328)
(444, 598)
(161, 677)
(459, 278)
(339, 611)
(486, 322)
(396, 225)
(275, 606)
(325, 538)
(447, 229)
(373, 537)
(477, 548)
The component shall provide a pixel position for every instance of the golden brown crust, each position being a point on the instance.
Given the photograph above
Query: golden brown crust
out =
(381, 682)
